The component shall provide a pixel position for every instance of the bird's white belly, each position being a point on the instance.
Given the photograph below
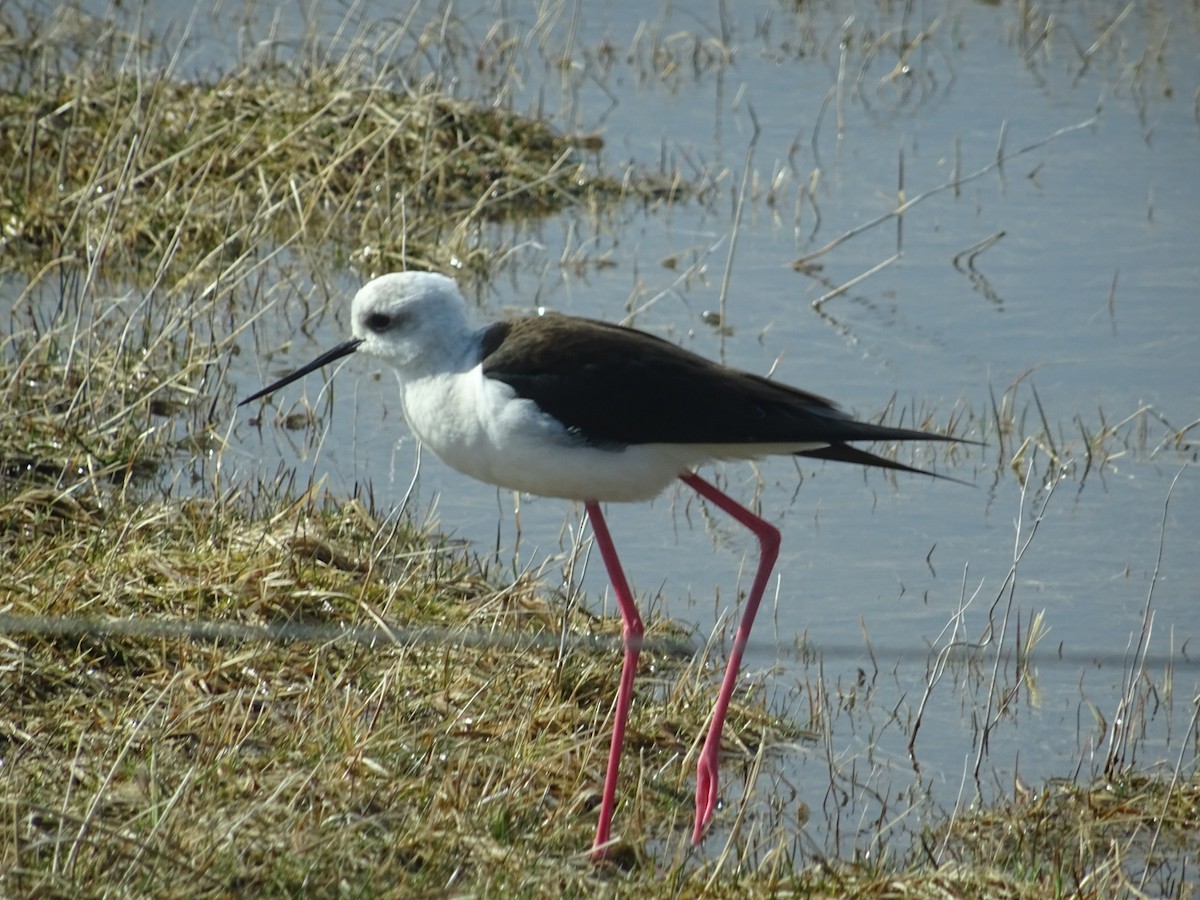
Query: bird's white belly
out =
(481, 428)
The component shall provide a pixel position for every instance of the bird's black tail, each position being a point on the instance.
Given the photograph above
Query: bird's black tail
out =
(847, 454)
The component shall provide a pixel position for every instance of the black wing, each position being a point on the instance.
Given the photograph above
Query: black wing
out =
(616, 386)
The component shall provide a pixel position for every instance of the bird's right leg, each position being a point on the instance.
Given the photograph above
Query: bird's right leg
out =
(632, 631)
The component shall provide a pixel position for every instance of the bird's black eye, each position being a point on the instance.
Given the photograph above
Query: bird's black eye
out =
(378, 322)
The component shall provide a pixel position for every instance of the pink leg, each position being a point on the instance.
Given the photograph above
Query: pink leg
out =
(632, 636)
(768, 540)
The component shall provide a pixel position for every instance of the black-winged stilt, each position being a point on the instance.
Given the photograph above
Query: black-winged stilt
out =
(568, 407)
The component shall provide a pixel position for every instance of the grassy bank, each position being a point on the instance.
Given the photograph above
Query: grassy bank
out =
(200, 701)
(276, 753)
(111, 161)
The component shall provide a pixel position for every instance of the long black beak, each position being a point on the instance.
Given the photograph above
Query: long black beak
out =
(343, 349)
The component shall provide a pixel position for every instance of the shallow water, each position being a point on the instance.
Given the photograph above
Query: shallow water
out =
(1088, 296)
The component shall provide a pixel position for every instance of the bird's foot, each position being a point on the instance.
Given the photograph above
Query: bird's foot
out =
(706, 792)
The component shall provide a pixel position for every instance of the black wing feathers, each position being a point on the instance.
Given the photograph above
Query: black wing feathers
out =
(615, 386)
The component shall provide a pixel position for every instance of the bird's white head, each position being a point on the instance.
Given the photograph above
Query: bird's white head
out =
(416, 321)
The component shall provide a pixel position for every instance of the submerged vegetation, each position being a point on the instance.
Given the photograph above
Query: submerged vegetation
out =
(266, 690)
(111, 161)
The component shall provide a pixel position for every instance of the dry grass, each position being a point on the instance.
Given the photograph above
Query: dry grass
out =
(146, 756)
(106, 157)
(254, 691)
(158, 764)
(1136, 835)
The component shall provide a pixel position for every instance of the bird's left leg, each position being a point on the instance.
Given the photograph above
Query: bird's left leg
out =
(768, 540)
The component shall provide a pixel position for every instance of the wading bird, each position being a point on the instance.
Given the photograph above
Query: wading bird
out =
(568, 407)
